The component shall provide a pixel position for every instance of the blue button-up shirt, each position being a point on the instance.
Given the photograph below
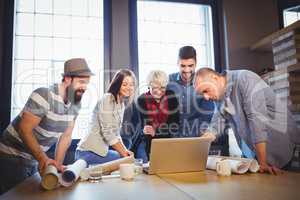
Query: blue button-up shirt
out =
(195, 111)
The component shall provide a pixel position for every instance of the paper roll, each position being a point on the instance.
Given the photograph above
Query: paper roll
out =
(254, 166)
(50, 178)
(212, 162)
(71, 174)
(107, 167)
(238, 165)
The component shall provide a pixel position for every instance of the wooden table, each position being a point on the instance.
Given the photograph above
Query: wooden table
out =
(199, 185)
(207, 185)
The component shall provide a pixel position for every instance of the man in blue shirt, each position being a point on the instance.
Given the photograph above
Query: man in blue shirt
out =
(195, 111)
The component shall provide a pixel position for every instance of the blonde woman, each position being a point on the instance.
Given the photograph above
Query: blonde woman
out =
(103, 142)
(159, 113)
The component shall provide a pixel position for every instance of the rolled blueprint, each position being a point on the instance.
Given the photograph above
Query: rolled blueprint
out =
(71, 174)
(107, 167)
(238, 165)
(50, 178)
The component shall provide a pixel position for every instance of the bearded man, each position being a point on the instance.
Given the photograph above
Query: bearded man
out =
(47, 118)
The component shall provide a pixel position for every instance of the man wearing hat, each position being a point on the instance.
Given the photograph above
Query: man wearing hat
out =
(47, 118)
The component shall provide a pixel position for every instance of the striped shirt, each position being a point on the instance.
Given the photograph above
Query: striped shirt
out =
(55, 116)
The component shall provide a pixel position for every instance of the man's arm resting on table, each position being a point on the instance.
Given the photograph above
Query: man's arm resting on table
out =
(27, 123)
(261, 154)
(63, 144)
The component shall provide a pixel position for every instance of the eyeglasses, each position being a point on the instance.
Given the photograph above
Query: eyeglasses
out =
(162, 88)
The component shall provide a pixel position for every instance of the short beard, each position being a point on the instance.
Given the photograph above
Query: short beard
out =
(72, 95)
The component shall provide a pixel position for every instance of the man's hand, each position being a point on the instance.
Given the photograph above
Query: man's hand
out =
(209, 135)
(265, 168)
(149, 130)
(48, 161)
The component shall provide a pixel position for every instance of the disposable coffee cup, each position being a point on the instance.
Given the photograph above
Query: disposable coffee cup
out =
(127, 171)
(50, 178)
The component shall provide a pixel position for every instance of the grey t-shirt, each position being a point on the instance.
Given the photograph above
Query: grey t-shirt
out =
(55, 115)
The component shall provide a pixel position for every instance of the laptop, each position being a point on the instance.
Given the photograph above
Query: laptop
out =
(175, 155)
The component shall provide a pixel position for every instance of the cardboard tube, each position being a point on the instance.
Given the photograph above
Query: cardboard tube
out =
(50, 178)
(107, 167)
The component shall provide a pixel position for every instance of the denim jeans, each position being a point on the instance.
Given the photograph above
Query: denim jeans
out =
(93, 158)
(13, 170)
(141, 152)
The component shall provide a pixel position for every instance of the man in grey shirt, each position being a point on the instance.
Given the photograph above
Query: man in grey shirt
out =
(261, 122)
(47, 118)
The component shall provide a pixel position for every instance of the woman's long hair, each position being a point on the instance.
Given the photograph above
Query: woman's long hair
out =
(116, 83)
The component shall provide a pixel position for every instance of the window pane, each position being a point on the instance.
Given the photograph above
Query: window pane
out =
(43, 25)
(25, 24)
(95, 30)
(62, 7)
(183, 24)
(43, 48)
(43, 6)
(59, 30)
(291, 15)
(61, 49)
(42, 73)
(62, 26)
(58, 69)
(24, 47)
(25, 6)
(79, 8)
(94, 52)
(80, 48)
(21, 94)
(22, 71)
(95, 6)
(79, 27)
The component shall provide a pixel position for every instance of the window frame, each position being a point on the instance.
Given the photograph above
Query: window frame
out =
(134, 31)
(7, 34)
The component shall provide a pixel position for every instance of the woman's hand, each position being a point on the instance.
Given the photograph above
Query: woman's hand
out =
(149, 130)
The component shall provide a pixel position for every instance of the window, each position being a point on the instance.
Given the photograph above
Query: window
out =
(48, 32)
(164, 27)
(291, 15)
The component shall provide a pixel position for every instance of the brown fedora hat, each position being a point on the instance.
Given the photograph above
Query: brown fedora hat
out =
(77, 67)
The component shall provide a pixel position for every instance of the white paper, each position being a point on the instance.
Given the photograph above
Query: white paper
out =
(254, 166)
(76, 169)
(212, 162)
(238, 165)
